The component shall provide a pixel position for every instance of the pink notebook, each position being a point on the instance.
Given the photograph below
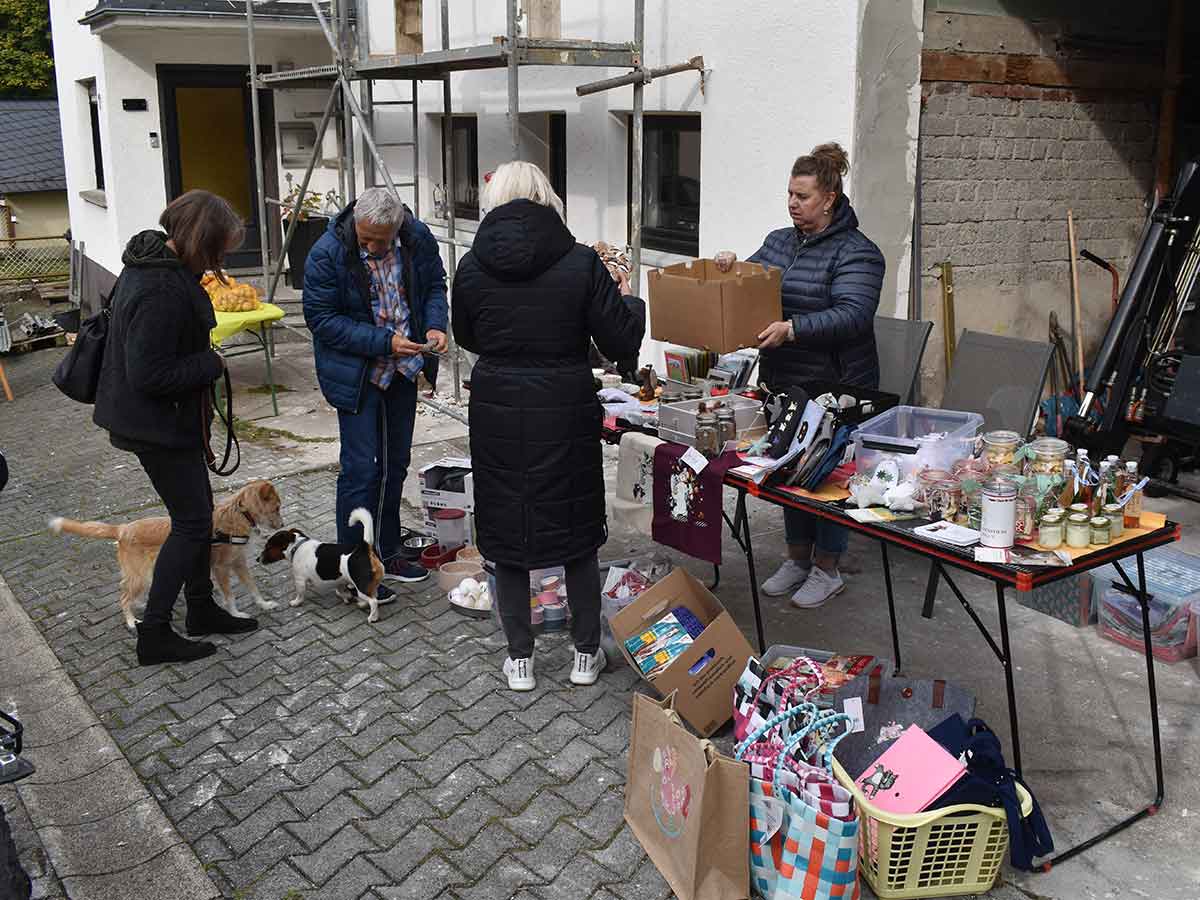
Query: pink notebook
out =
(911, 774)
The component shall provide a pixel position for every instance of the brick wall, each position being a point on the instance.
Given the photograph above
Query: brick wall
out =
(1000, 166)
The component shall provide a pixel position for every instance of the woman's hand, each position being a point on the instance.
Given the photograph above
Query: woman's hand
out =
(623, 285)
(725, 260)
(402, 346)
(776, 334)
(438, 339)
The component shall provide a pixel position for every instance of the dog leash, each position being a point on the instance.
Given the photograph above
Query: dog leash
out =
(232, 447)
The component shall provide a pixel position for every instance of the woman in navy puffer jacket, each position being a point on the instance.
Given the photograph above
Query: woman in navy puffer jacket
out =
(832, 276)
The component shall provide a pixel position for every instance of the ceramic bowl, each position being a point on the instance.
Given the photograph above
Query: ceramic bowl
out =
(452, 574)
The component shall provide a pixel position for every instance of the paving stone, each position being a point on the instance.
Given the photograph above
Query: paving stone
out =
(393, 785)
(560, 847)
(592, 782)
(504, 879)
(252, 830)
(253, 860)
(88, 849)
(645, 884)
(409, 852)
(315, 794)
(522, 785)
(537, 819)
(430, 880)
(623, 856)
(109, 790)
(171, 873)
(456, 787)
(335, 854)
(485, 850)
(602, 819)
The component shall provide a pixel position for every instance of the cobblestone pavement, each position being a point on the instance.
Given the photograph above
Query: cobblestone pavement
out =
(322, 756)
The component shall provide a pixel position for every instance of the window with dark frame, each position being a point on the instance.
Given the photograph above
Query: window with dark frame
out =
(558, 156)
(670, 183)
(94, 116)
(464, 133)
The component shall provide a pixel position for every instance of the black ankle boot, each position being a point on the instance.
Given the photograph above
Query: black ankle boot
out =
(158, 644)
(205, 617)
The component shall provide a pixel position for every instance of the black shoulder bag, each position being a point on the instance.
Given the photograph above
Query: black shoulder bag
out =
(78, 375)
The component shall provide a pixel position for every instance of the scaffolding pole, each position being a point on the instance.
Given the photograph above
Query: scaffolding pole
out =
(447, 193)
(635, 212)
(345, 36)
(259, 168)
(514, 97)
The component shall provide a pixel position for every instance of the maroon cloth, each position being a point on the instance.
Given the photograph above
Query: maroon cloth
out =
(688, 507)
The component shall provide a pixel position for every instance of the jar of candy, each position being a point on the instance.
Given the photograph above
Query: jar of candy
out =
(1101, 531)
(1049, 454)
(938, 490)
(1000, 447)
(708, 439)
(1051, 532)
(1079, 530)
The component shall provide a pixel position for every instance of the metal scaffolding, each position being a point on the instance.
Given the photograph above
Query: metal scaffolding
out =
(351, 61)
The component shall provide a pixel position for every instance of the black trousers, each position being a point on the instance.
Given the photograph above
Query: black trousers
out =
(583, 596)
(180, 477)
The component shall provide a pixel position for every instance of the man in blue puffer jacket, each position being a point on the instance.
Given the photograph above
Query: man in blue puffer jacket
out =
(832, 277)
(375, 301)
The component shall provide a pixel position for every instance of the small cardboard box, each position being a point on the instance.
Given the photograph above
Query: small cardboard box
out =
(705, 696)
(433, 497)
(695, 304)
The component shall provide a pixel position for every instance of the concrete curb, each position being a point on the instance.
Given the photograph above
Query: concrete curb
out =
(104, 833)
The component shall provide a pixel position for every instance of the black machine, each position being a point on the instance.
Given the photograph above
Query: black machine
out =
(1147, 371)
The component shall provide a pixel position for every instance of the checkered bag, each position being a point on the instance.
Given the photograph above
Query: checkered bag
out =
(759, 694)
(803, 838)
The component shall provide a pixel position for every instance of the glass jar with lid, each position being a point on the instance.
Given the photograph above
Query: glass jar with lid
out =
(938, 490)
(1101, 531)
(1049, 454)
(726, 427)
(1000, 447)
(998, 516)
(707, 434)
(1051, 532)
(972, 467)
(1079, 530)
(1115, 514)
(970, 507)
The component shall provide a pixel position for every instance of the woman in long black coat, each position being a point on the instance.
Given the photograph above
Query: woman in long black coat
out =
(528, 299)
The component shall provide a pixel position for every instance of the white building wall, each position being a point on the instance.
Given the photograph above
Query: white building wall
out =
(123, 61)
(780, 83)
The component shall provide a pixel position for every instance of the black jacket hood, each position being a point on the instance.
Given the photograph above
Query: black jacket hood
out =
(521, 240)
(149, 250)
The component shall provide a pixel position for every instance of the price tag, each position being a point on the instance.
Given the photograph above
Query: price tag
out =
(774, 818)
(852, 706)
(695, 460)
(991, 555)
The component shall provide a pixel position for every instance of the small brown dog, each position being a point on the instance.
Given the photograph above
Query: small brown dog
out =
(255, 505)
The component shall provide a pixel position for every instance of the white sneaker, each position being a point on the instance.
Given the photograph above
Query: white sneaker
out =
(520, 674)
(588, 667)
(789, 577)
(818, 588)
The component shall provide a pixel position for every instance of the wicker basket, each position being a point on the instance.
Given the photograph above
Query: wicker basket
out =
(945, 852)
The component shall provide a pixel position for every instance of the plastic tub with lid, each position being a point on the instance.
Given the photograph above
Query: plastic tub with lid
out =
(919, 438)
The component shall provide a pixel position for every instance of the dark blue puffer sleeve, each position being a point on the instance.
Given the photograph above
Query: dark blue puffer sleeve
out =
(323, 309)
(617, 324)
(857, 282)
(433, 277)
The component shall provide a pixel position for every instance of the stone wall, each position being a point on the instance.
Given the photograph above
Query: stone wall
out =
(1000, 166)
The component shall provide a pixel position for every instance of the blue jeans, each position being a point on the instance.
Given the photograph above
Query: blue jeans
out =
(376, 450)
(805, 528)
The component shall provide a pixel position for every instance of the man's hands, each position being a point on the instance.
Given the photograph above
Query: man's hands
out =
(775, 334)
(402, 346)
(725, 260)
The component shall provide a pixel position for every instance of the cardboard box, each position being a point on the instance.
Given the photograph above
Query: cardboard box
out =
(434, 497)
(697, 305)
(705, 696)
(1070, 600)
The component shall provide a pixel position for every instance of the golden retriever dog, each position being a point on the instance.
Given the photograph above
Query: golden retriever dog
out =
(255, 506)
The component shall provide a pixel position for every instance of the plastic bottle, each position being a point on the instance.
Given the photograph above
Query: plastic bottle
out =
(1133, 507)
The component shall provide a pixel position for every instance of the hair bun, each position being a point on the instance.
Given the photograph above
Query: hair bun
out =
(834, 153)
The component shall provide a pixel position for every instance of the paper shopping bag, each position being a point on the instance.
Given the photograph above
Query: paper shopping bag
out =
(687, 805)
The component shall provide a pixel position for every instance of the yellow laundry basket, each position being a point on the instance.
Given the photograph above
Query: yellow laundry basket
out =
(940, 853)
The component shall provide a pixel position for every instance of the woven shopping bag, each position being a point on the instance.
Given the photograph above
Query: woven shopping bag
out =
(687, 805)
(803, 838)
(760, 694)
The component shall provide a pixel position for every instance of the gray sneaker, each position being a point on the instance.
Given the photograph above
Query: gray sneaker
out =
(817, 588)
(789, 577)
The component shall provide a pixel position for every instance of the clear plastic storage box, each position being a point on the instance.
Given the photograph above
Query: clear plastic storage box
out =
(919, 438)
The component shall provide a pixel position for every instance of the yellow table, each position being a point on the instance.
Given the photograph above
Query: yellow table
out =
(257, 324)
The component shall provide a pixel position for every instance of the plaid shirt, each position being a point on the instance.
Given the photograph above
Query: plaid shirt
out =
(390, 306)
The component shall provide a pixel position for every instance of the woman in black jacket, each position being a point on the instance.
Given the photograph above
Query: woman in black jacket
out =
(528, 299)
(158, 367)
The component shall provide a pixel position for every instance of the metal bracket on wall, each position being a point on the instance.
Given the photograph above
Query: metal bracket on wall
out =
(945, 275)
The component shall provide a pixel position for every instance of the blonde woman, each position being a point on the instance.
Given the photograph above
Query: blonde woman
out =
(528, 300)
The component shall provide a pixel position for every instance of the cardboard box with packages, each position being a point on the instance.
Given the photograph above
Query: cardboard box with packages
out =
(705, 673)
(695, 304)
(447, 484)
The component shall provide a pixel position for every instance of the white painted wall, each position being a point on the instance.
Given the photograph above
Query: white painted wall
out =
(779, 84)
(123, 61)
